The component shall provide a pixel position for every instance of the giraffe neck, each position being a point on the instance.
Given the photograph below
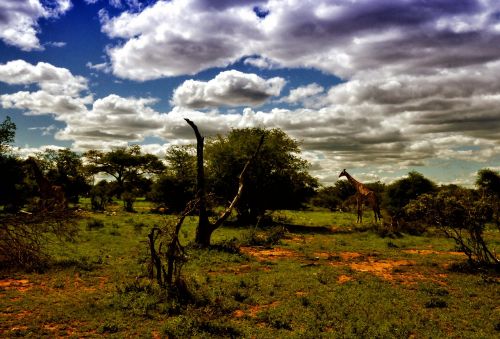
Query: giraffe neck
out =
(353, 181)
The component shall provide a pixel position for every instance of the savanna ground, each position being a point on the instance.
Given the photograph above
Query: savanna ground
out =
(325, 277)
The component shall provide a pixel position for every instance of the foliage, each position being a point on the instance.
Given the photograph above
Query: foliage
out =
(175, 187)
(277, 179)
(242, 295)
(488, 182)
(13, 190)
(461, 214)
(24, 237)
(126, 165)
(7, 134)
(65, 168)
(100, 195)
(402, 191)
(270, 237)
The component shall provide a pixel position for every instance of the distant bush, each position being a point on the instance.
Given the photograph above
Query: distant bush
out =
(94, 224)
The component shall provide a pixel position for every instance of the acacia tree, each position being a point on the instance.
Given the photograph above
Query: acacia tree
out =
(126, 165)
(279, 180)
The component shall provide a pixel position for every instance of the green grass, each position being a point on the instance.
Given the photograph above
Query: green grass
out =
(332, 279)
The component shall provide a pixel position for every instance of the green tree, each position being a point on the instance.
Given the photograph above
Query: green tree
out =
(7, 134)
(176, 186)
(65, 168)
(126, 165)
(461, 214)
(488, 183)
(402, 191)
(13, 191)
(278, 178)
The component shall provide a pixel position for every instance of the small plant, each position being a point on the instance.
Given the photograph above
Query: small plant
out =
(138, 226)
(108, 328)
(94, 224)
(436, 303)
(253, 237)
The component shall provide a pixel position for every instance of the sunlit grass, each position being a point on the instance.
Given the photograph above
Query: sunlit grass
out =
(318, 288)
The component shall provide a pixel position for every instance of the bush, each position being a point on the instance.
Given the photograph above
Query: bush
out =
(254, 237)
(461, 214)
(24, 238)
(94, 224)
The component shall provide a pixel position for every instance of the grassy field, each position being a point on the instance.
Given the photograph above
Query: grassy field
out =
(326, 277)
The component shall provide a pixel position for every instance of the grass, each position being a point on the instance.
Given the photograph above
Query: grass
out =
(327, 278)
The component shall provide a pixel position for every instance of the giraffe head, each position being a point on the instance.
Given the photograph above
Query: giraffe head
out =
(343, 173)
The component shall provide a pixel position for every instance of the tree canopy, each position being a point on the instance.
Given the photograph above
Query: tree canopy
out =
(402, 191)
(126, 165)
(278, 178)
(7, 133)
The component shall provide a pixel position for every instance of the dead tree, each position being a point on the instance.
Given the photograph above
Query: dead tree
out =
(205, 226)
(164, 244)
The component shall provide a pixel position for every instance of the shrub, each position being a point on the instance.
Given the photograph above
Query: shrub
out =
(461, 214)
(94, 224)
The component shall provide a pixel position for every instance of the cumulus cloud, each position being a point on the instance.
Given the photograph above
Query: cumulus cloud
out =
(49, 78)
(339, 37)
(307, 95)
(260, 62)
(19, 20)
(228, 88)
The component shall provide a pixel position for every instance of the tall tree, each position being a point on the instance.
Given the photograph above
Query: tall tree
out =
(488, 183)
(65, 168)
(402, 191)
(7, 134)
(175, 187)
(13, 192)
(279, 180)
(126, 165)
(205, 226)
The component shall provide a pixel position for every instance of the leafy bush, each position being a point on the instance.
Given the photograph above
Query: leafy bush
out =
(254, 237)
(461, 214)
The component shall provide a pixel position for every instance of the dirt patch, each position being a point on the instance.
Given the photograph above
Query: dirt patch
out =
(20, 315)
(253, 311)
(21, 285)
(382, 268)
(343, 279)
(346, 256)
(427, 252)
(269, 254)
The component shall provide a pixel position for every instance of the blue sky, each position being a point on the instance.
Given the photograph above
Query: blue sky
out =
(378, 87)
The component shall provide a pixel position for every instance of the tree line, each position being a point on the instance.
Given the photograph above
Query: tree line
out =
(277, 179)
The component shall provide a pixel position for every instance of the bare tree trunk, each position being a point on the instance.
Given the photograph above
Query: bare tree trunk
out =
(205, 227)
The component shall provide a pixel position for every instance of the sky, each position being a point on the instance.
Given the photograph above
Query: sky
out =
(379, 87)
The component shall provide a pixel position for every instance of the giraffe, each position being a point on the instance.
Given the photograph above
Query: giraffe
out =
(51, 196)
(363, 194)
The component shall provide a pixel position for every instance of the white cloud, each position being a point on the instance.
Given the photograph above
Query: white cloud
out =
(307, 95)
(260, 62)
(19, 20)
(51, 79)
(228, 88)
